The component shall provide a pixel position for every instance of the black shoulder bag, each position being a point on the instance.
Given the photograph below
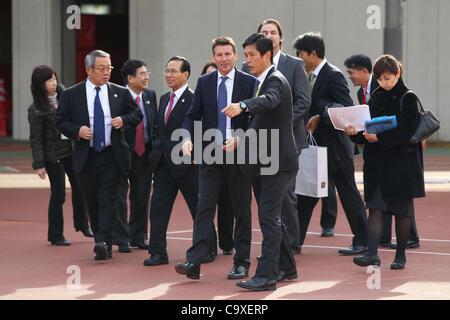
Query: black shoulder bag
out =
(428, 122)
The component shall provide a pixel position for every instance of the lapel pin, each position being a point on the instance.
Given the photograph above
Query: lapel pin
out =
(182, 101)
(115, 95)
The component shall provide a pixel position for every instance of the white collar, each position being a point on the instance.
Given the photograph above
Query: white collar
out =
(263, 75)
(369, 84)
(319, 67)
(92, 86)
(230, 75)
(180, 91)
(276, 58)
(133, 94)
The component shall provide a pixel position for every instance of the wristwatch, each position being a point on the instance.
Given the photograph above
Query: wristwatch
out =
(243, 106)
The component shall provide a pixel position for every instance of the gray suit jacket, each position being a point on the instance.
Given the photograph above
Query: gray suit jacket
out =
(294, 71)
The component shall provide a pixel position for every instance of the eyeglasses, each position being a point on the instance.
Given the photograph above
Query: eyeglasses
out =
(171, 71)
(103, 69)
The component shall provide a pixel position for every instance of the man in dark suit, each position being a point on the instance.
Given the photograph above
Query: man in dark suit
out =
(133, 233)
(270, 111)
(169, 177)
(294, 71)
(359, 69)
(95, 113)
(213, 93)
(329, 86)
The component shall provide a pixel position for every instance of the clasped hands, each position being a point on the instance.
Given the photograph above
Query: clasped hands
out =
(87, 133)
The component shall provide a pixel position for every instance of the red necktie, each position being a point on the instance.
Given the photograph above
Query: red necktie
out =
(172, 95)
(139, 146)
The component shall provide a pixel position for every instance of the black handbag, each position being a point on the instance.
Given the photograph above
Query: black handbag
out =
(428, 122)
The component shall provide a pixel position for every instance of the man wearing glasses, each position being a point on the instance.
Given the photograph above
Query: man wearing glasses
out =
(133, 233)
(94, 114)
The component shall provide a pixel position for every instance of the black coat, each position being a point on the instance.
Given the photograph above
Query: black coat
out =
(393, 163)
(45, 140)
(272, 110)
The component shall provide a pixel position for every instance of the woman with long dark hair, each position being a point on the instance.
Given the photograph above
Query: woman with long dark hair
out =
(52, 155)
(393, 167)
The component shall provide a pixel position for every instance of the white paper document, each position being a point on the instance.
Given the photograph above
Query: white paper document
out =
(354, 115)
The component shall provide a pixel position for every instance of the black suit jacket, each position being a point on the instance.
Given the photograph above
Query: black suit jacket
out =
(163, 132)
(331, 87)
(150, 109)
(294, 71)
(272, 109)
(72, 114)
(204, 105)
(373, 85)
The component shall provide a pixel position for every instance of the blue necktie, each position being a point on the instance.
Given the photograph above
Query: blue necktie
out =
(255, 89)
(222, 103)
(99, 124)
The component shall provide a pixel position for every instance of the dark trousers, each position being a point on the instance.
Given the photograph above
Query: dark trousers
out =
(56, 171)
(329, 207)
(276, 253)
(211, 180)
(289, 214)
(99, 181)
(225, 220)
(138, 183)
(386, 234)
(165, 190)
(351, 202)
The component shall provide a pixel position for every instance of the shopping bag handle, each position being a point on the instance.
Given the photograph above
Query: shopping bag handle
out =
(311, 140)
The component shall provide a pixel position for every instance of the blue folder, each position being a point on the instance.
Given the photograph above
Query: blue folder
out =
(380, 124)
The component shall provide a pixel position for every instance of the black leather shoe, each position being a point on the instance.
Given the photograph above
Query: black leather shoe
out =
(209, 258)
(139, 244)
(397, 265)
(62, 242)
(156, 260)
(125, 247)
(101, 251)
(364, 261)
(190, 269)
(284, 275)
(327, 232)
(87, 233)
(238, 272)
(385, 244)
(227, 252)
(409, 245)
(352, 250)
(258, 284)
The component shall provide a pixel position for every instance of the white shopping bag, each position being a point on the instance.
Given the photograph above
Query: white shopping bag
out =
(312, 175)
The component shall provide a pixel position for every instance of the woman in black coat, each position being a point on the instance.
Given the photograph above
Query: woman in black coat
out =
(52, 155)
(393, 168)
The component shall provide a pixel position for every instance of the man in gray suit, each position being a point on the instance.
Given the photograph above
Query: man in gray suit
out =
(294, 71)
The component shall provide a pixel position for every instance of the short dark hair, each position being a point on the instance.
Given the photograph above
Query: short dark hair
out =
(208, 64)
(223, 41)
(309, 42)
(387, 63)
(185, 65)
(275, 23)
(130, 67)
(262, 44)
(359, 61)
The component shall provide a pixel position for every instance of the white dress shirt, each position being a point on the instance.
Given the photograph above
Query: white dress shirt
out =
(318, 68)
(229, 84)
(276, 59)
(104, 100)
